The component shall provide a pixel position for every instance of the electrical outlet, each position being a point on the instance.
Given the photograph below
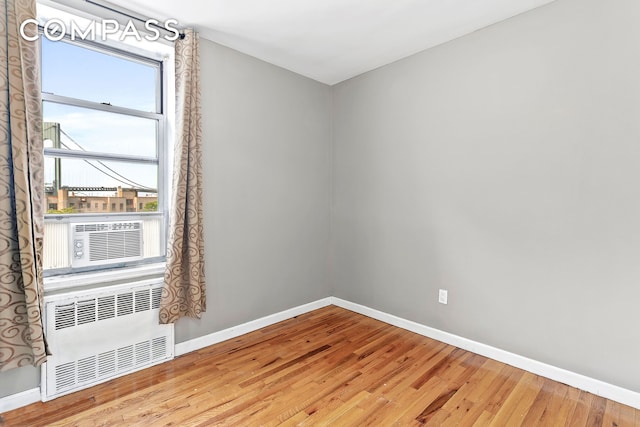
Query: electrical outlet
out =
(442, 296)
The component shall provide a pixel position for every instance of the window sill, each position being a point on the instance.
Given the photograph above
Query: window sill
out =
(71, 281)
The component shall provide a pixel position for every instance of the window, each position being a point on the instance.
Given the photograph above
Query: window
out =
(104, 130)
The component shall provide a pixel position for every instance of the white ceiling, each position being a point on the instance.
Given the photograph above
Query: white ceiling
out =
(331, 40)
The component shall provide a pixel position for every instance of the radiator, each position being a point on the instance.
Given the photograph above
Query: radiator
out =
(100, 334)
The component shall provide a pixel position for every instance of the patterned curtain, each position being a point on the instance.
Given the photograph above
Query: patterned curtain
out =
(21, 192)
(184, 285)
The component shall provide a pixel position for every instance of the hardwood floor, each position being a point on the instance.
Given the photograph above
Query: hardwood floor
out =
(329, 367)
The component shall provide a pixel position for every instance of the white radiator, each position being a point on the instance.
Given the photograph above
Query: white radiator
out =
(100, 334)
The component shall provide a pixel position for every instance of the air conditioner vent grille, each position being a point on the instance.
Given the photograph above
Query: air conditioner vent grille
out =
(86, 311)
(87, 369)
(125, 304)
(65, 316)
(106, 243)
(158, 347)
(156, 295)
(125, 358)
(107, 307)
(65, 375)
(143, 352)
(114, 245)
(143, 303)
(106, 363)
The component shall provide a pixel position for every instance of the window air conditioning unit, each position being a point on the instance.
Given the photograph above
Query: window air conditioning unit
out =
(99, 243)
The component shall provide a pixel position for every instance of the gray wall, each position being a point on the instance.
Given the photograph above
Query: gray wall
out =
(505, 167)
(19, 380)
(267, 155)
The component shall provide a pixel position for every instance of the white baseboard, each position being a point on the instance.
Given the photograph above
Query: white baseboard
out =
(19, 400)
(236, 331)
(597, 387)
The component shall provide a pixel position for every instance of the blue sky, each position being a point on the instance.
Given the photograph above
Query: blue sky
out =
(73, 71)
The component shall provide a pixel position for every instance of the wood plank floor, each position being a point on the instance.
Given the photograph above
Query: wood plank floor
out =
(329, 367)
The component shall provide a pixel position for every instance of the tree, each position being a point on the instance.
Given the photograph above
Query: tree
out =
(151, 206)
(69, 210)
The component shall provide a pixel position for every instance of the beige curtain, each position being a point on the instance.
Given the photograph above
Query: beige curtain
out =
(184, 285)
(21, 192)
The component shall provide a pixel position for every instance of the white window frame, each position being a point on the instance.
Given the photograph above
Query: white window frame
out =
(163, 140)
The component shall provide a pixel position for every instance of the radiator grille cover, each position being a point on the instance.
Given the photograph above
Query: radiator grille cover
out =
(101, 334)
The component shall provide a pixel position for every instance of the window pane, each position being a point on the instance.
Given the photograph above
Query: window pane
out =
(84, 129)
(98, 186)
(83, 73)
